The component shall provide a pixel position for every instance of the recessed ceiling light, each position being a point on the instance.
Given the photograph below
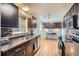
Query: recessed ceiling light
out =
(25, 8)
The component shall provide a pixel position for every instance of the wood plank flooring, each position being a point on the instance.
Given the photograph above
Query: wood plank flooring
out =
(48, 48)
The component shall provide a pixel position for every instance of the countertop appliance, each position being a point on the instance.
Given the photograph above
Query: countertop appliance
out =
(4, 40)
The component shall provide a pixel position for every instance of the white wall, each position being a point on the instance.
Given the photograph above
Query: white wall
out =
(0, 26)
(22, 24)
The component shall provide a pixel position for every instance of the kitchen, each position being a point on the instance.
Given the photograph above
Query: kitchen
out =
(31, 28)
(17, 40)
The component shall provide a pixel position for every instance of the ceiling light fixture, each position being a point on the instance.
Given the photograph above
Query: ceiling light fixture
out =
(49, 16)
(25, 8)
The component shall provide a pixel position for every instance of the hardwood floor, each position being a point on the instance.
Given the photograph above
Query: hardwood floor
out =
(48, 48)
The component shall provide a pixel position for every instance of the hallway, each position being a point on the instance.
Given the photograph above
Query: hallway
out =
(48, 48)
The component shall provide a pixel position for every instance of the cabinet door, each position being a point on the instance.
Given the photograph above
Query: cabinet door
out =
(73, 10)
(78, 9)
(29, 23)
(78, 13)
(29, 49)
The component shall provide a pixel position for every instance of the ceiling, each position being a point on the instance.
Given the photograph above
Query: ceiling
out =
(48, 12)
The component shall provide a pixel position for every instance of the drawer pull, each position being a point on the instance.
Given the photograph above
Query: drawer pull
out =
(19, 49)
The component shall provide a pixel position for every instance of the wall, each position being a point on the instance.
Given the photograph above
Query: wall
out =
(22, 23)
(0, 26)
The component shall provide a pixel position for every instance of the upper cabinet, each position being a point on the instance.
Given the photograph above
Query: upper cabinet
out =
(29, 22)
(32, 22)
(78, 14)
(71, 19)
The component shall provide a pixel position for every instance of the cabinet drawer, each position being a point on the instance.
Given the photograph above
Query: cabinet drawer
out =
(20, 53)
(15, 51)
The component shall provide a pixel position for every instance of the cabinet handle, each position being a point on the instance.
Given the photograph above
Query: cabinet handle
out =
(19, 49)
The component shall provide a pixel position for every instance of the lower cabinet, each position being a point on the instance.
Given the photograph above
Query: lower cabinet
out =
(17, 51)
(20, 53)
(29, 49)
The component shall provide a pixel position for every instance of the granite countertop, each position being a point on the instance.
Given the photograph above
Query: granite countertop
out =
(16, 42)
(76, 36)
(73, 37)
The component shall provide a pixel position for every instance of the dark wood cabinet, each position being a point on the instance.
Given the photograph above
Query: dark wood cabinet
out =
(71, 22)
(78, 14)
(32, 22)
(29, 22)
(71, 19)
